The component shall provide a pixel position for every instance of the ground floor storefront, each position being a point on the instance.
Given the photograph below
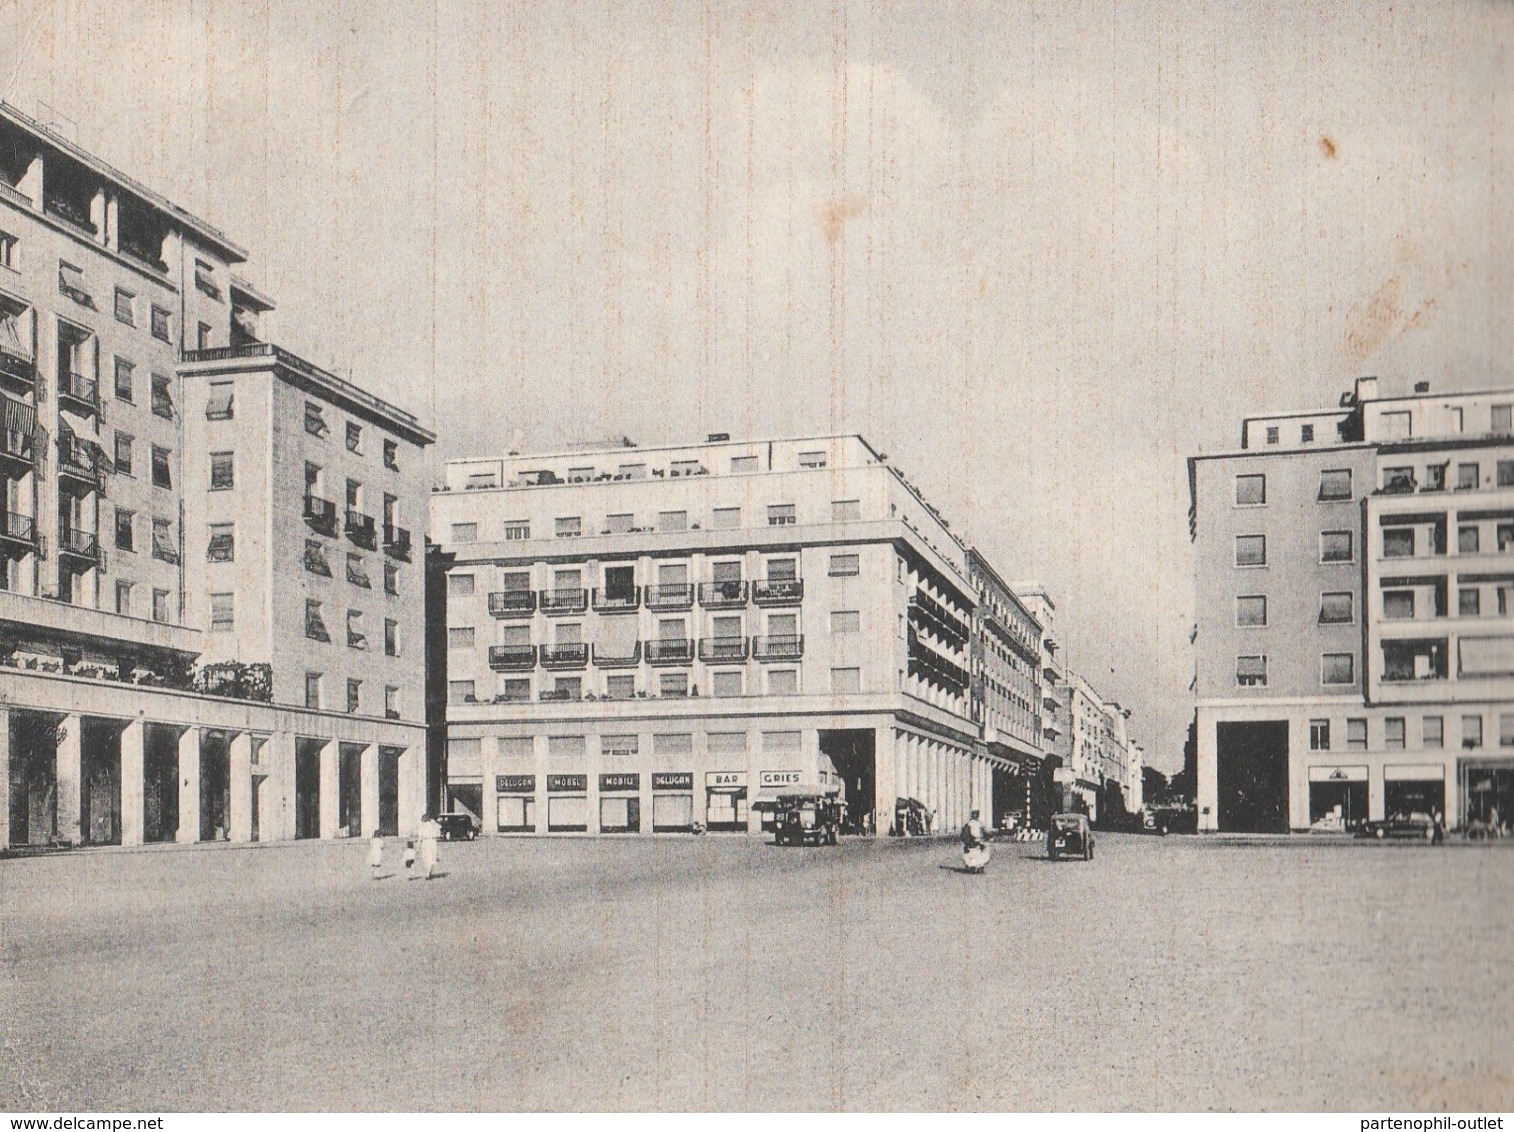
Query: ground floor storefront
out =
(86, 764)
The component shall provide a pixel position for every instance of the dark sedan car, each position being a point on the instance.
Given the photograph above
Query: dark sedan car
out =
(457, 827)
(1069, 836)
(1419, 826)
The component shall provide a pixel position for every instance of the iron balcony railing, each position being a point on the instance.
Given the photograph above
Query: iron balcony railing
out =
(19, 528)
(778, 648)
(81, 544)
(18, 368)
(669, 652)
(80, 461)
(617, 600)
(320, 515)
(668, 596)
(361, 530)
(723, 648)
(512, 658)
(564, 601)
(83, 392)
(778, 591)
(512, 603)
(618, 659)
(397, 542)
(722, 595)
(18, 445)
(564, 656)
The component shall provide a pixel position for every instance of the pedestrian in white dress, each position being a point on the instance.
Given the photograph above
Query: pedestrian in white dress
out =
(430, 831)
(375, 855)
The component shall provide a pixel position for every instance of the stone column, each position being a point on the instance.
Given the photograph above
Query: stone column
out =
(69, 774)
(239, 821)
(276, 819)
(412, 791)
(5, 778)
(368, 790)
(330, 788)
(884, 769)
(133, 787)
(189, 785)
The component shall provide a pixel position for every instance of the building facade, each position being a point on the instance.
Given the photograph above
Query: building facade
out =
(155, 659)
(1355, 656)
(650, 640)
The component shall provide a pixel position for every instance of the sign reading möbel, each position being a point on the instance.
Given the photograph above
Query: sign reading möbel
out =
(567, 783)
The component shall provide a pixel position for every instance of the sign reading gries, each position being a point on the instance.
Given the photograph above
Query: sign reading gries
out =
(773, 779)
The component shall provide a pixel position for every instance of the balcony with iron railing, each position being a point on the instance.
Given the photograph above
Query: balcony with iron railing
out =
(564, 656)
(320, 515)
(512, 603)
(778, 648)
(669, 652)
(617, 600)
(722, 595)
(512, 658)
(397, 542)
(18, 445)
(81, 545)
(558, 602)
(723, 648)
(75, 391)
(19, 529)
(778, 591)
(18, 371)
(80, 461)
(361, 530)
(617, 658)
(668, 596)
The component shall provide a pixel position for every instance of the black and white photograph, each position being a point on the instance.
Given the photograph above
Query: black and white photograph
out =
(757, 557)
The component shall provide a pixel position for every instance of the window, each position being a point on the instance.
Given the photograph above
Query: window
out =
(781, 515)
(1306, 434)
(1398, 480)
(460, 638)
(620, 687)
(161, 476)
(125, 529)
(218, 406)
(569, 526)
(357, 573)
(354, 437)
(743, 465)
(1356, 734)
(1251, 550)
(515, 689)
(205, 279)
(391, 577)
(392, 455)
(1334, 484)
(726, 518)
(1393, 733)
(846, 510)
(619, 746)
(315, 420)
(1338, 668)
(464, 532)
(222, 543)
(1272, 434)
(842, 621)
(1398, 604)
(391, 637)
(1471, 731)
(124, 309)
(312, 689)
(356, 638)
(160, 605)
(672, 520)
(1469, 602)
(71, 283)
(1468, 539)
(1335, 546)
(1506, 730)
(203, 334)
(845, 681)
(1251, 612)
(1433, 732)
(461, 692)
(222, 613)
(1398, 542)
(619, 524)
(222, 474)
(315, 624)
(728, 683)
(124, 380)
(315, 558)
(391, 702)
(783, 682)
(673, 684)
(517, 530)
(162, 396)
(568, 687)
(1500, 416)
(1435, 477)
(1467, 476)
(7, 250)
(812, 459)
(1251, 671)
(783, 569)
(1319, 734)
(1250, 491)
(1336, 608)
(1503, 473)
(845, 566)
(163, 545)
(354, 695)
(123, 598)
(123, 453)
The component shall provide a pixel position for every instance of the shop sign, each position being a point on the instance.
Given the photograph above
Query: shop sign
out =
(673, 780)
(612, 782)
(725, 779)
(1337, 774)
(1063, 774)
(567, 783)
(515, 784)
(774, 779)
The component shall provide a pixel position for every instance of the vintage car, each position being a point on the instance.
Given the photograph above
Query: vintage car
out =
(1069, 836)
(808, 819)
(1416, 825)
(457, 827)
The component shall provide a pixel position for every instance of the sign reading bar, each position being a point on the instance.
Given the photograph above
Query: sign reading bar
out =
(515, 784)
(728, 778)
(566, 783)
(673, 780)
(609, 782)
(772, 779)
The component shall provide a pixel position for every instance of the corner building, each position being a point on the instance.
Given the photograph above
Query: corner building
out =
(641, 639)
(1354, 588)
(156, 658)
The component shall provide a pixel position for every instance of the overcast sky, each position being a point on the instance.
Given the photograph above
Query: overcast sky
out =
(1039, 254)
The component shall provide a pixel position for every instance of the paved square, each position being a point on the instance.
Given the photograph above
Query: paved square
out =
(729, 974)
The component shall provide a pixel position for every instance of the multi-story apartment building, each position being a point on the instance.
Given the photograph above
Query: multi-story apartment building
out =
(646, 639)
(157, 684)
(1355, 655)
(1054, 749)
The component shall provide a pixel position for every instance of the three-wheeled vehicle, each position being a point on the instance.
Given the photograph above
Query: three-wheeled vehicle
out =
(1069, 836)
(810, 818)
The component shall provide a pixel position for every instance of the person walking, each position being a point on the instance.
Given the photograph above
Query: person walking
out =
(375, 855)
(430, 833)
(975, 851)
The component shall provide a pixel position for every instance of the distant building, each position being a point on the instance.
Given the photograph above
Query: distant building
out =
(1355, 656)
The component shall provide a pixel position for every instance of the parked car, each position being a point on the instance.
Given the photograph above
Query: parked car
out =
(1069, 836)
(808, 819)
(458, 827)
(1419, 826)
